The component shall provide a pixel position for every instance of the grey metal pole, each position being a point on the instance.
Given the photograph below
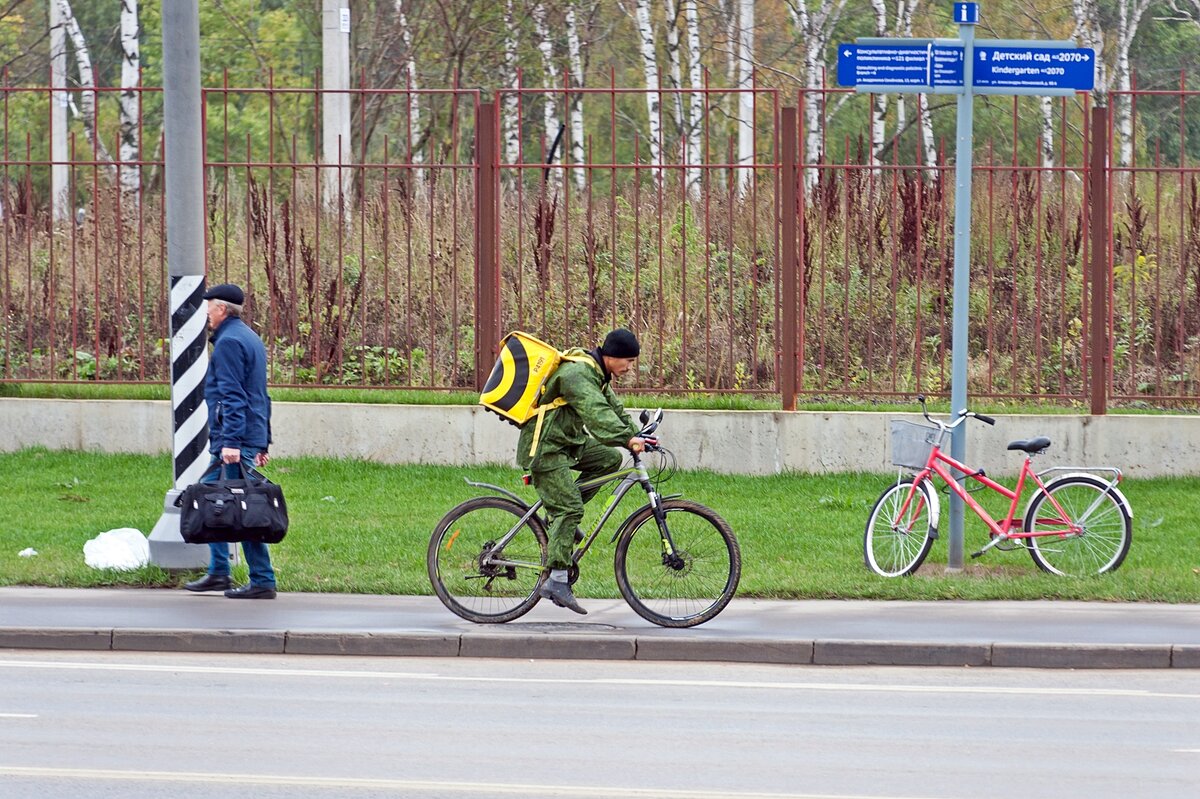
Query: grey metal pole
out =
(184, 163)
(335, 103)
(963, 163)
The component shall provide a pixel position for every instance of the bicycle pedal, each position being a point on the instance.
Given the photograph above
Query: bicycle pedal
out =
(976, 554)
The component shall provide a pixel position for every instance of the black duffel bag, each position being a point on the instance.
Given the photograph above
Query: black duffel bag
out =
(249, 508)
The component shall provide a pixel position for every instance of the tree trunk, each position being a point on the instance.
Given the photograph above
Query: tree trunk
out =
(880, 105)
(510, 120)
(1129, 19)
(130, 102)
(412, 85)
(1047, 108)
(650, 68)
(550, 110)
(87, 82)
(745, 115)
(697, 100)
(674, 68)
(575, 103)
(814, 29)
(60, 201)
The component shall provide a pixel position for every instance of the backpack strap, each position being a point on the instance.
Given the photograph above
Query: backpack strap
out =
(557, 402)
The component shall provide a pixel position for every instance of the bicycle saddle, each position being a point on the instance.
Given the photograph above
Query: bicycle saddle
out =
(1033, 446)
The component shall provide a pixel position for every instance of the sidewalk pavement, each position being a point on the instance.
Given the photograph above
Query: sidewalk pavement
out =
(1047, 634)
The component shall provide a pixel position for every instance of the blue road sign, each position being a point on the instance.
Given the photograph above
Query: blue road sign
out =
(947, 65)
(966, 13)
(904, 67)
(1035, 68)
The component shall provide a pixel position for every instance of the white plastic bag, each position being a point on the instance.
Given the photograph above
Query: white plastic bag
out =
(123, 549)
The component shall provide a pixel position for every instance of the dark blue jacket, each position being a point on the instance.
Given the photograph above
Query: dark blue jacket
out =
(235, 389)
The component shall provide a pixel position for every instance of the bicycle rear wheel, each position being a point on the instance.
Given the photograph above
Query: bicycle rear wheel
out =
(471, 576)
(898, 537)
(1095, 527)
(690, 586)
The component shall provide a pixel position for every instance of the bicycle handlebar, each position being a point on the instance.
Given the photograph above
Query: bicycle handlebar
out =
(963, 414)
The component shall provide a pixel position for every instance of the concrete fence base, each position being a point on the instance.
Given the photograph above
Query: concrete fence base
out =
(735, 442)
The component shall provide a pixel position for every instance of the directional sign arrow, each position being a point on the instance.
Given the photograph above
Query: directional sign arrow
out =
(1034, 68)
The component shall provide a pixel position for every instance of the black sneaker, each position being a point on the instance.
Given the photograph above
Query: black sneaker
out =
(560, 594)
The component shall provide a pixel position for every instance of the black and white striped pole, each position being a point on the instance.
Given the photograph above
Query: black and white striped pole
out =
(185, 268)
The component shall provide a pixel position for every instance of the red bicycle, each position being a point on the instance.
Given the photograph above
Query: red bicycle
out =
(1077, 522)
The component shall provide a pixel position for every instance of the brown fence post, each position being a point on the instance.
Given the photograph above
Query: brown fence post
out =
(487, 236)
(1101, 360)
(789, 318)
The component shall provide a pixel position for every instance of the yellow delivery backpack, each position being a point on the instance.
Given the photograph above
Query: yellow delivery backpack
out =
(518, 380)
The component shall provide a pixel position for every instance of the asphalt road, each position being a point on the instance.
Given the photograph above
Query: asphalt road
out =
(127, 724)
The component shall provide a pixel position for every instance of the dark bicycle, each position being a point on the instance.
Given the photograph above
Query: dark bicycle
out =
(677, 562)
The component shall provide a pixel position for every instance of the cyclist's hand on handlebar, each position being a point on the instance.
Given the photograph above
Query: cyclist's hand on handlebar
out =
(642, 444)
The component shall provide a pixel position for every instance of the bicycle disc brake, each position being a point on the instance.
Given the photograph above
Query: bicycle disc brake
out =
(680, 562)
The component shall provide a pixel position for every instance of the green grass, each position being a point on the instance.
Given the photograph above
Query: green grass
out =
(687, 400)
(363, 528)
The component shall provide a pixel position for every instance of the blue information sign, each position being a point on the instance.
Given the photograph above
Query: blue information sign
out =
(966, 13)
(906, 67)
(1035, 68)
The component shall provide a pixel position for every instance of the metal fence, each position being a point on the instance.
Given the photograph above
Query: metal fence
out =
(808, 272)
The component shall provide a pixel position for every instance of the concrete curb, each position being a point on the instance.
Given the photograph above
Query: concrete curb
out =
(571, 646)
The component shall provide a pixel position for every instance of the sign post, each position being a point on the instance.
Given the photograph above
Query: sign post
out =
(964, 66)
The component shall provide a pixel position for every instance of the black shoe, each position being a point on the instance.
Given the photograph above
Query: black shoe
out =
(560, 594)
(209, 582)
(251, 591)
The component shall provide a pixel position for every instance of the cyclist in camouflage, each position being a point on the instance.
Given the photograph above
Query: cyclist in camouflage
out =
(579, 436)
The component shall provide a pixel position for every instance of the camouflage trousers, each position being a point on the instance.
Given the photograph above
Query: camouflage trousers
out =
(564, 501)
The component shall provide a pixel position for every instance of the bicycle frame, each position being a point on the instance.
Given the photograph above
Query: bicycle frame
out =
(1000, 530)
(628, 476)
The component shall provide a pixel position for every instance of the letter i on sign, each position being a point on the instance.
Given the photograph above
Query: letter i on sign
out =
(966, 13)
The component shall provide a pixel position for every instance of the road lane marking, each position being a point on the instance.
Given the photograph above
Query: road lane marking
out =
(18, 715)
(485, 789)
(597, 681)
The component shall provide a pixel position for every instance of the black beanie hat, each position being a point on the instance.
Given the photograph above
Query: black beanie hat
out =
(620, 344)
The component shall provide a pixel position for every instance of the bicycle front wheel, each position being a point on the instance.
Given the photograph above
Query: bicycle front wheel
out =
(1093, 529)
(473, 574)
(900, 530)
(689, 586)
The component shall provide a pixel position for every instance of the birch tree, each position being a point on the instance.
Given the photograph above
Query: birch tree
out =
(650, 69)
(129, 101)
(87, 82)
(510, 119)
(689, 115)
(745, 85)
(575, 103)
(412, 85)
(905, 11)
(59, 171)
(1089, 32)
(1046, 106)
(898, 25)
(814, 29)
(880, 105)
(696, 99)
(674, 69)
(550, 70)
(1129, 19)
